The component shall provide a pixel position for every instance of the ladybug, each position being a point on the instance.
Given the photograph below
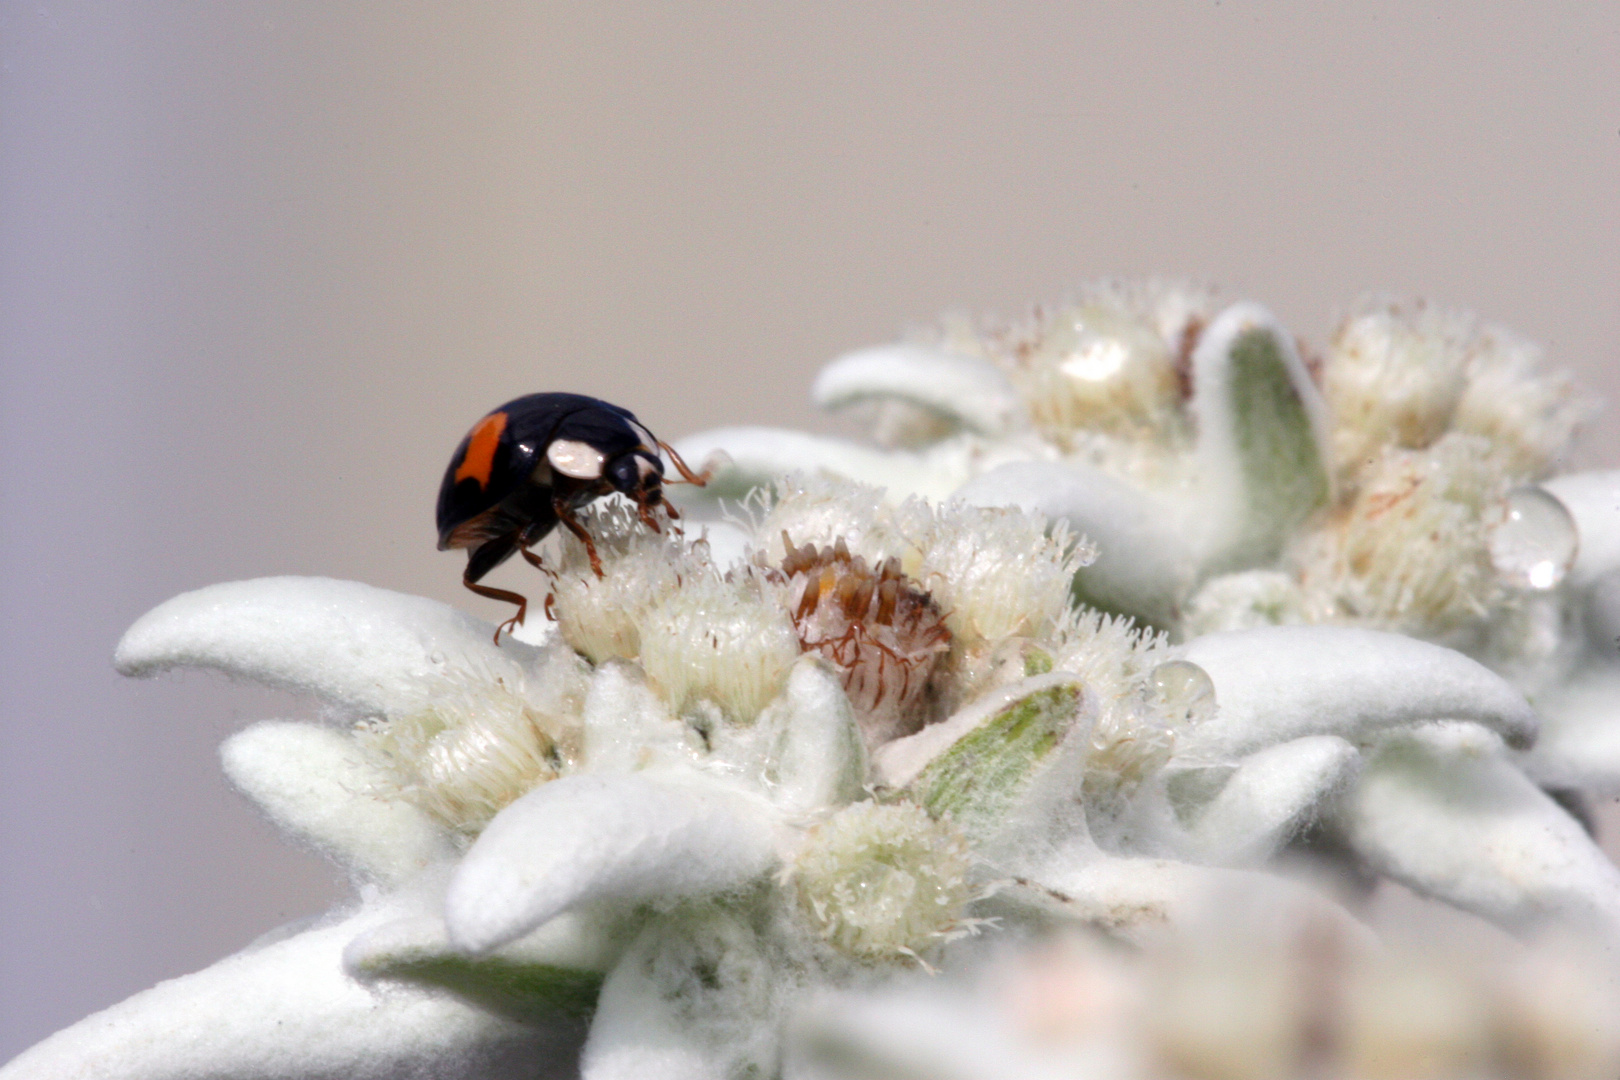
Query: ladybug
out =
(531, 464)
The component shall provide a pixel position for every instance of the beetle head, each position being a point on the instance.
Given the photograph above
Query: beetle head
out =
(639, 476)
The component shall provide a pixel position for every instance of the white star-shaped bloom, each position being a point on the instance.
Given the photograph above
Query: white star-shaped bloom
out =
(848, 739)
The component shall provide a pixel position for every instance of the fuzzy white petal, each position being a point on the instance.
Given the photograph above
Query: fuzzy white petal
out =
(969, 390)
(1278, 683)
(363, 648)
(287, 1011)
(930, 1029)
(1262, 437)
(1593, 500)
(627, 726)
(316, 786)
(638, 1034)
(581, 940)
(1579, 746)
(1442, 810)
(629, 837)
(819, 759)
(1143, 566)
(1271, 795)
(696, 997)
(760, 455)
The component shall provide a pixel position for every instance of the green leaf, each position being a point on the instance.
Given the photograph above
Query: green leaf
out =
(985, 771)
(1282, 463)
(524, 991)
(1037, 661)
(1260, 437)
(554, 974)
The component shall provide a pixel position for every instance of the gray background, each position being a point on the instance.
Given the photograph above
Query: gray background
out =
(263, 263)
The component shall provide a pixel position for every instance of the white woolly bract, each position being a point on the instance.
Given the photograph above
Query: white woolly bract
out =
(700, 994)
(730, 642)
(285, 1008)
(321, 790)
(880, 882)
(1268, 797)
(483, 742)
(625, 837)
(940, 391)
(1274, 684)
(1442, 809)
(1410, 550)
(601, 617)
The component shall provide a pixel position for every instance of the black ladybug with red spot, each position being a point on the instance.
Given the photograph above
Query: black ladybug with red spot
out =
(529, 465)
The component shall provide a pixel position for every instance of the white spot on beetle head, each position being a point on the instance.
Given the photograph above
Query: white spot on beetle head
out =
(580, 460)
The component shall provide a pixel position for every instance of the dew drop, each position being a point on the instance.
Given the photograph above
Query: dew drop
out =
(436, 657)
(1534, 545)
(1185, 688)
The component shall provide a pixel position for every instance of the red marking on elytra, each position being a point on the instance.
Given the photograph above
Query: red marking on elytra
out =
(480, 456)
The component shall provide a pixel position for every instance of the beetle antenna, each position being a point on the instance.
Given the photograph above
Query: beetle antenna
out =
(700, 479)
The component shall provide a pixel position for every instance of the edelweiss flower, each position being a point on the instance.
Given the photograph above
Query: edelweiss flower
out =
(872, 741)
(1398, 483)
(680, 817)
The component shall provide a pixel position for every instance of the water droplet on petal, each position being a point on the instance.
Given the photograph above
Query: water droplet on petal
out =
(1184, 688)
(436, 657)
(1534, 545)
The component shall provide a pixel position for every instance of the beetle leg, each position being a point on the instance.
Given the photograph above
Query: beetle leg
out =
(687, 474)
(566, 516)
(534, 560)
(644, 512)
(502, 594)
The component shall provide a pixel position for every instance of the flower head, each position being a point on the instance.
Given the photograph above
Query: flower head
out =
(880, 630)
(879, 881)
